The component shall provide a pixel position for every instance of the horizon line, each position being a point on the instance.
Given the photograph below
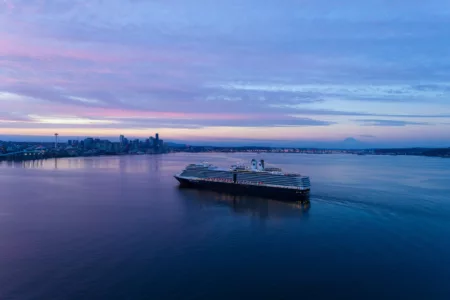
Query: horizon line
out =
(263, 146)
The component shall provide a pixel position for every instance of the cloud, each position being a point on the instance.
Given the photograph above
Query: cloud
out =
(367, 136)
(286, 122)
(190, 64)
(68, 120)
(6, 117)
(298, 111)
(389, 123)
(363, 92)
(84, 100)
(158, 122)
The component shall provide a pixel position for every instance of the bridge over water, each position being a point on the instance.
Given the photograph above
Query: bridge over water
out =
(24, 155)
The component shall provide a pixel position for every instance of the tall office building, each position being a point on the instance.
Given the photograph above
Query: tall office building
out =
(88, 143)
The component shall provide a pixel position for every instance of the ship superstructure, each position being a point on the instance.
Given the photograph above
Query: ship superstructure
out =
(256, 179)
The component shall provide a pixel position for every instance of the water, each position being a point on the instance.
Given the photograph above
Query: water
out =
(377, 227)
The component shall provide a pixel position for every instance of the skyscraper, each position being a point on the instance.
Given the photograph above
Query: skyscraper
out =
(88, 143)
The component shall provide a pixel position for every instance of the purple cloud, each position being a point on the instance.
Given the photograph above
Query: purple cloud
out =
(389, 123)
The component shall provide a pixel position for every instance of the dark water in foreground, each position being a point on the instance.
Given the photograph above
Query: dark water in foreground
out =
(119, 228)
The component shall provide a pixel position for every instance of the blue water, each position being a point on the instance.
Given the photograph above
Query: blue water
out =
(377, 227)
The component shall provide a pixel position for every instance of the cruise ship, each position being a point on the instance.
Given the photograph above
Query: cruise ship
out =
(256, 180)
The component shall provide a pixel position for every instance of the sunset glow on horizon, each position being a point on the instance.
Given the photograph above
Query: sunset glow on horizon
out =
(233, 70)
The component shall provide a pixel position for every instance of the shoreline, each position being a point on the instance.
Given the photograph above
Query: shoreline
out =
(47, 156)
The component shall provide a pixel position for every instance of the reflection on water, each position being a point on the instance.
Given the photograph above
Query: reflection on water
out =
(125, 164)
(247, 205)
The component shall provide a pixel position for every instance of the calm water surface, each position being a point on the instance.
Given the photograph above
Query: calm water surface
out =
(377, 227)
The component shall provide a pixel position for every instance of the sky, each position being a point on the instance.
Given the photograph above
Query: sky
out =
(227, 70)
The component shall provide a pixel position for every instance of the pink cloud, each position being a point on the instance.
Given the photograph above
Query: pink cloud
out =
(51, 50)
(121, 113)
(9, 4)
(45, 108)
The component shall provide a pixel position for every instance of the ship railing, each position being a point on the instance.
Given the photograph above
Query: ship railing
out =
(272, 185)
(259, 183)
(218, 180)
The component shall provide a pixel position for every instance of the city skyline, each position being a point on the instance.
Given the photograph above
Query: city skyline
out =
(228, 72)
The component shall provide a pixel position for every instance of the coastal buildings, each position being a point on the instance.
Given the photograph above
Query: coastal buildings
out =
(90, 146)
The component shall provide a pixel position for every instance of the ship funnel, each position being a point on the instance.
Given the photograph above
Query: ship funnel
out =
(254, 166)
(261, 165)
